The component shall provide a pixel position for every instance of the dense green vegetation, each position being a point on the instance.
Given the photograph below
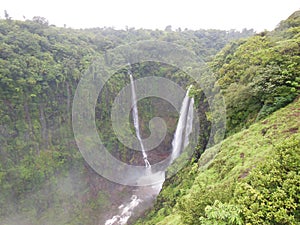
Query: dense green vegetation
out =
(260, 74)
(252, 177)
(42, 174)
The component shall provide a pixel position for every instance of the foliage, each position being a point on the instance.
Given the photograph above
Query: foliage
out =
(260, 74)
(192, 207)
(271, 193)
(223, 214)
(40, 67)
(251, 175)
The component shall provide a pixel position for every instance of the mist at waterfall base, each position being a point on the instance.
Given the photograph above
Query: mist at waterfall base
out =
(144, 196)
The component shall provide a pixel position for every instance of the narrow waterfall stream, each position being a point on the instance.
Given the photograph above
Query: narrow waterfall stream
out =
(135, 115)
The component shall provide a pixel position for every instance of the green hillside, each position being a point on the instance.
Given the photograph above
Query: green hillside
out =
(251, 178)
(260, 74)
(43, 177)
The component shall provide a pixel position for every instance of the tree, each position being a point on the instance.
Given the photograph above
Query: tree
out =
(6, 15)
(41, 20)
(168, 28)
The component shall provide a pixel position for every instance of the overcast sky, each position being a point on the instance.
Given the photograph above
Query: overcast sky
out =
(192, 14)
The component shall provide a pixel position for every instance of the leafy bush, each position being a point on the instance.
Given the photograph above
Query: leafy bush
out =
(222, 214)
(271, 193)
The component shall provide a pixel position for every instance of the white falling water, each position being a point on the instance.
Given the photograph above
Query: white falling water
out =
(189, 123)
(180, 141)
(142, 195)
(184, 126)
(135, 116)
(126, 213)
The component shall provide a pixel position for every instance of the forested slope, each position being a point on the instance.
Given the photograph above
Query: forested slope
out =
(252, 177)
(260, 74)
(43, 178)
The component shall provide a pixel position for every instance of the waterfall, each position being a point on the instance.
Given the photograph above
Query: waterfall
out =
(126, 213)
(135, 116)
(184, 126)
(180, 141)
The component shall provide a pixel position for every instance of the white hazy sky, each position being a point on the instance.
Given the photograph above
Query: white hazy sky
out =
(192, 14)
